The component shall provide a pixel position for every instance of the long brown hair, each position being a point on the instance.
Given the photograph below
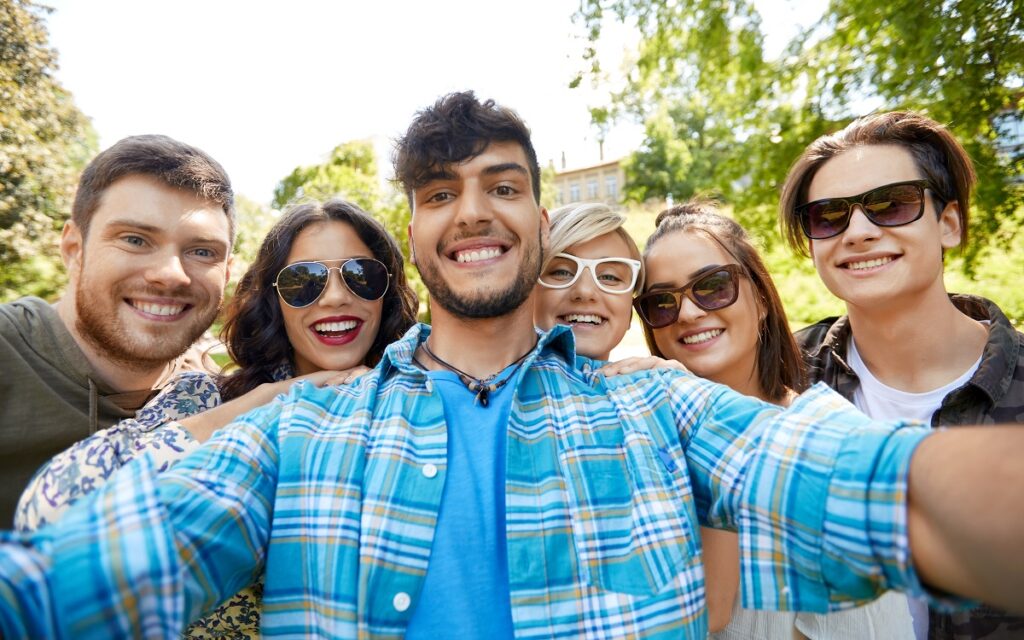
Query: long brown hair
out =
(254, 330)
(779, 364)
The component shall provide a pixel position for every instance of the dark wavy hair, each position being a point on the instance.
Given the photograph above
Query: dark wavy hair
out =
(779, 364)
(938, 155)
(458, 127)
(254, 330)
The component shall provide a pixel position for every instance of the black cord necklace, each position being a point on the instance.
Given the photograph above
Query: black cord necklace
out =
(482, 387)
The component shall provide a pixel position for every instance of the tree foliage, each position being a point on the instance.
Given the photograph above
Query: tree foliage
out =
(722, 118)
(350, 172)
(44, 143)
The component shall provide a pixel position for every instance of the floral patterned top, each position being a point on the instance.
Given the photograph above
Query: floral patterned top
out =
(155, 432)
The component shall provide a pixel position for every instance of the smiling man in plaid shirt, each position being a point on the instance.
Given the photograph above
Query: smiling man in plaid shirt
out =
(483, 481)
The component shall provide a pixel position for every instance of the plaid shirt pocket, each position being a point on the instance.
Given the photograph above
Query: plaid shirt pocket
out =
(630, 527)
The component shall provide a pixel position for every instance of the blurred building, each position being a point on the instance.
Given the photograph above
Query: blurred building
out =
(597, 183)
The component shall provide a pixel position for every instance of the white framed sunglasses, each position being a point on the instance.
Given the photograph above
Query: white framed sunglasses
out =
(611, 275)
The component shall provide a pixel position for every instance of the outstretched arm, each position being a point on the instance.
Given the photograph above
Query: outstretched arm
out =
(966, 522)
(147, 553)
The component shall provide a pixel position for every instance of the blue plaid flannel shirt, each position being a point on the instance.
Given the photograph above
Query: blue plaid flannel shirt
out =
(607, 481)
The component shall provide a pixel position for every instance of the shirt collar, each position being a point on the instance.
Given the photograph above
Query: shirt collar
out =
(399, 355)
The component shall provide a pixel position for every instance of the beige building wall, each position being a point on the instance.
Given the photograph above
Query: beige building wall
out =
(598, 183)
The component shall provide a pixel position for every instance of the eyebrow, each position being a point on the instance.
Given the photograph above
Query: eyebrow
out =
(693, 276)
(505, 166)
(128, 223)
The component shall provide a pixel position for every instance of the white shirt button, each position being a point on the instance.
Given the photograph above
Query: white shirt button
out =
(429, 470)
(430, 386)
(401, 601)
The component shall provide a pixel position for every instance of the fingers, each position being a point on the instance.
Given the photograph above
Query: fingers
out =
(345, 377)
(639, 363)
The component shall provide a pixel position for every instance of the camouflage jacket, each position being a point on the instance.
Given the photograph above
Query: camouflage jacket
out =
(995, 394)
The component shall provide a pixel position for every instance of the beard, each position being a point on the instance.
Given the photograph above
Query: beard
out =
(486, 302)
(103, 326)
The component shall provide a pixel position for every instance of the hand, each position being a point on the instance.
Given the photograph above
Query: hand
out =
(331, 378)
(639, 363)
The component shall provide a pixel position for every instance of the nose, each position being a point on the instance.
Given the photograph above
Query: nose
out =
(689, 311)
(336, 293)
(860, 228)
(473, 208)
(167, 271)
(585, 287)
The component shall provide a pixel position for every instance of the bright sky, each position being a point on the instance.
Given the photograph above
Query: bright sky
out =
(267, 86)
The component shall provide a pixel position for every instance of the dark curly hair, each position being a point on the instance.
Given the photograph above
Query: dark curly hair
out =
(779, 363)
(254, 330)
(456, 128)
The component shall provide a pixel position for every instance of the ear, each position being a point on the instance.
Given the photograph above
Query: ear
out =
(227, 269)
(545, 228)
(950, 228)
(72, 248)
(412, 244)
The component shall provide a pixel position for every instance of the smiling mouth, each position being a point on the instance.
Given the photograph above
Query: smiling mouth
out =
(591, 319)
(161, 310)
(334, 329)
(868, 264)
(703, 336)
(476, 255)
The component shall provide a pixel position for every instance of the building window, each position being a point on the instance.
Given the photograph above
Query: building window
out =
(592, 189)
(611, 186)
(574, 192)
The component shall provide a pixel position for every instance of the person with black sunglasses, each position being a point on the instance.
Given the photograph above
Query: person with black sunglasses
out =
(877, 205)
(484, 481)
(291, 318)
(711, 304)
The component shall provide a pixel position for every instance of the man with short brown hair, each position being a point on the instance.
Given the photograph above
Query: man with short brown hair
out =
(147, 251)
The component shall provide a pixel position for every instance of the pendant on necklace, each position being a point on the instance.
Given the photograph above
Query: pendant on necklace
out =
(482, 391)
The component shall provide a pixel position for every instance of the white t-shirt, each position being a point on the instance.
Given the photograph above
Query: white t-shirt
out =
(882, 402)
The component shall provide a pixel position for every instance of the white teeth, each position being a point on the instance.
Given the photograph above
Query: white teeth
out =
(476, 255)
(588, 318)
(867, 264)
(334, 327)
(703, 336)
(159, 309)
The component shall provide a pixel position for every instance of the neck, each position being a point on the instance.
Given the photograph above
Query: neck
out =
(917, 347)
(746, 383)
(481, 346)
(114, 373)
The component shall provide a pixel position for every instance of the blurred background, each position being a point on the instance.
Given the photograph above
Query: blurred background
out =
(634, 102)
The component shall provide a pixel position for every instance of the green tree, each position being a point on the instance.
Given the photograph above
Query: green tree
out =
(44, 143)
(254, 221)
(720, 118)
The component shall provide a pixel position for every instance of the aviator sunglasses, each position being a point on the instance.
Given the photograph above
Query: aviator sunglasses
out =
(300, 284)
(891, 205)
(611, 275)
(716, 288)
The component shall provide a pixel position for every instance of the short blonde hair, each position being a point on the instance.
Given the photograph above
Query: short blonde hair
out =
(583, 221)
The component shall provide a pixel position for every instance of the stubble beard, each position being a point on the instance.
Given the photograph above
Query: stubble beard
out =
(104, 330)
(485, 303)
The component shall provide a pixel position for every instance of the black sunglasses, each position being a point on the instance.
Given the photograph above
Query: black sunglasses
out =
(891, 205)
(716, 288)
(300, 284)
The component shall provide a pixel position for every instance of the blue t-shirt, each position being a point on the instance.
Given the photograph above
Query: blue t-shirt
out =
(465, 592)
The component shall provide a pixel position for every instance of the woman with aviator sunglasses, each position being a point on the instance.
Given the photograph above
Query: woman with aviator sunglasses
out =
(324, 297)
(710, 303)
